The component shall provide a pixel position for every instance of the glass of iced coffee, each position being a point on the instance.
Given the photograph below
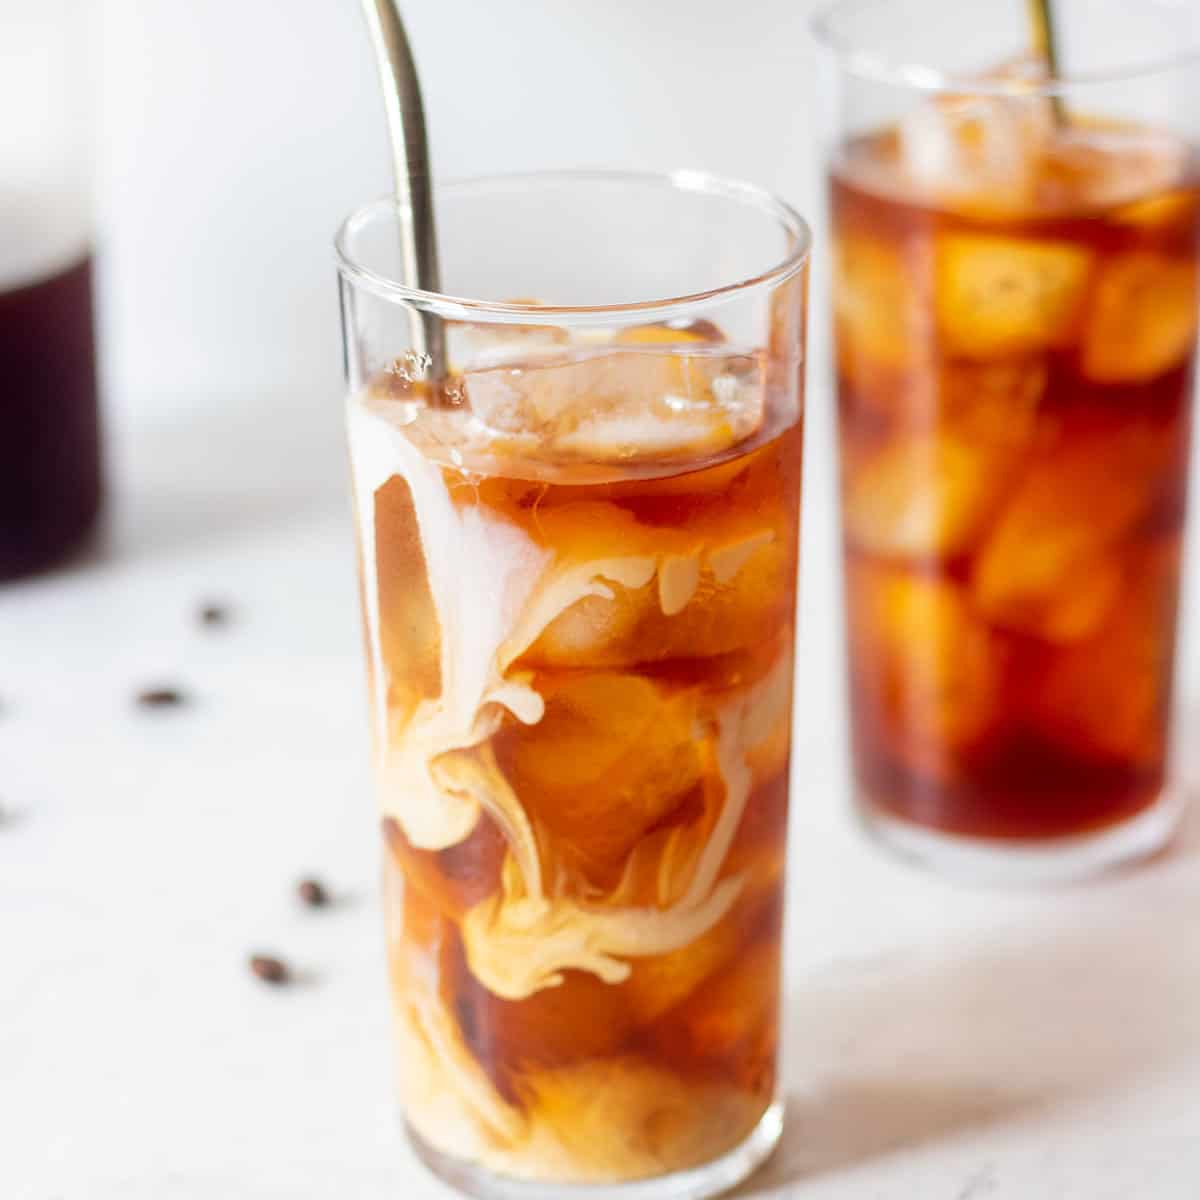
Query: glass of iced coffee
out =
(578, 565)
(1015, 303)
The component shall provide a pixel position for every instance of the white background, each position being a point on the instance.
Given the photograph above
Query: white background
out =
(945, 1044)
(240, 132)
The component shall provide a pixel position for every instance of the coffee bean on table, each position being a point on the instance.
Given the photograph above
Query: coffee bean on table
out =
(313, 893)
(269, 970)
(212, 614)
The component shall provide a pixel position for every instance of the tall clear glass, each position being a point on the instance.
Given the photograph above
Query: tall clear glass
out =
(49, 420)
(1015, 304)
(578, 564)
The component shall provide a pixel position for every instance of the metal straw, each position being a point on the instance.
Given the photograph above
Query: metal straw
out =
(410, 161)
(1045, 46)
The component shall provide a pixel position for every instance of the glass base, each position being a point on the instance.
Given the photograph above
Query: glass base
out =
(710, 1179)
(1025, 863)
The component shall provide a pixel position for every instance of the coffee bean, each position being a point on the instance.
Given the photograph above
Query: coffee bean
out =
(313, 893)
(270, 970)
(160, 697)
(213, 614)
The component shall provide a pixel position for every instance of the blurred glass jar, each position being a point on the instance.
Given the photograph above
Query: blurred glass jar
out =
(49, 422)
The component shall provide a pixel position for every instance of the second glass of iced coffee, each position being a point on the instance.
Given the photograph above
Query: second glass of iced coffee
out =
(578, 559)
(1015, 302)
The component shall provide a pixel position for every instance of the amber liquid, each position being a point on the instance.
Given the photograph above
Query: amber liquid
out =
(663, 746)
(50, 449)
(1015, 397)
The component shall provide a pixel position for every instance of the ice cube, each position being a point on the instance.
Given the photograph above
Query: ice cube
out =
(979, 151)
(613, 755)
(1094, 164)
(623, 592)
(1108, 697)
(924, 496)
(1169, 212)
(732, 605)
(623, 1118)
(1142, 319)
(1008, 296)
(881, 318)
(992, 404)
(658, 984)
(926, 668)
(745, 592)
(635, 405)
(731, 1023)
(472, 347)
(1076, 609)
(1047, 568)
(596, 630)
(581, 1018)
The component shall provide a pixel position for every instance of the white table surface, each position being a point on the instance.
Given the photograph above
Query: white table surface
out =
(944, 1043)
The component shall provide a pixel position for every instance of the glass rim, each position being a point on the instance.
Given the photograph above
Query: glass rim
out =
(685, 181)
(864, 63)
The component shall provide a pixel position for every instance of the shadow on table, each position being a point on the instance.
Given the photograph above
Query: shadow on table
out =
(1097, 986)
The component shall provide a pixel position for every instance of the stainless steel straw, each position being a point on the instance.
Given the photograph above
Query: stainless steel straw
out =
(410, 161)
(1041, 21)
